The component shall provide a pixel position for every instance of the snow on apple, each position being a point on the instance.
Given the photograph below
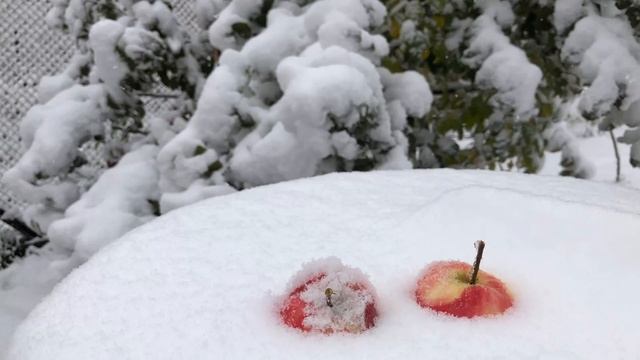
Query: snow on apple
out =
(329, 297)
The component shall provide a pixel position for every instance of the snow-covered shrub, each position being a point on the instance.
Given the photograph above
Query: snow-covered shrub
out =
(489, 108)
(603, 46)
(125, 49)
(305, 96)
(297, 91)
(505, 71)
(501, 72)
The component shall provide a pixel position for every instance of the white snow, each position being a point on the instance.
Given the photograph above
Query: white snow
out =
(196, 192)
(498, 10)
(109, 66)
(50, 86)
(115, 204)
(304, 96)
(206, 11)
(502, 66)
(51, 134)
(351, 293)
(605, 52)
(598, 156)
(204, 281)
(567, 12)
(23, 285)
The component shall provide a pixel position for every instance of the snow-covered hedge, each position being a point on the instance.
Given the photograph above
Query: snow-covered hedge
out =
(509, 74)
(275, 90)
(297, 91)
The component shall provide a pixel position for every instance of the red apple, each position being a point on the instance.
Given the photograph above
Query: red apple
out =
(462, 290)
(335, 299)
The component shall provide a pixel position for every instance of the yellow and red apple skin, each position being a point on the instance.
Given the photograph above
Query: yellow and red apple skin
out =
(445, 287)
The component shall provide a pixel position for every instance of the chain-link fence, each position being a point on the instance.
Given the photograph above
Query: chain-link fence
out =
(29, 50)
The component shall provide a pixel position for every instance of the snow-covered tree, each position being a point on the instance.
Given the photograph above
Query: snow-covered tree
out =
(489, 108)
(602, 45)
(507, 74)
(124, 50)
(274, 90)
(303, 97)
(297, 90)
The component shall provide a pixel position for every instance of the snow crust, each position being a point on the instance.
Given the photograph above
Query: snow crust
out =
(204, 281)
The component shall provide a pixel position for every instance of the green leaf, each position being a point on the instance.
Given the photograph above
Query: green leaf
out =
(241, 29)
(199, 150)
(392, 65)
(478, 110)
(261, 19)
(213, 168)
(546, 110)
(394, 28)
(440, 21)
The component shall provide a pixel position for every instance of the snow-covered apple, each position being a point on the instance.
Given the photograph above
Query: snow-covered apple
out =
(462, 290)
(328, 297)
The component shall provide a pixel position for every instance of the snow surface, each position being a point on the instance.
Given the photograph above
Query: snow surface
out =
(23, 285)
(203, 281)
(597, 154)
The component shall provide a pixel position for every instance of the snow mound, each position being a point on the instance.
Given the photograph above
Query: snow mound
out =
(203, 282)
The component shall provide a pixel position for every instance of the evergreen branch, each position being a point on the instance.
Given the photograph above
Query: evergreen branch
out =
(19, 226)
(160, 96)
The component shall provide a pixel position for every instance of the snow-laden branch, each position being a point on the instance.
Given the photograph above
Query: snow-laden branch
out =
(303, 97)
(123, 48)
(122, 199)
(607, 55)
(502, 66)
(52, 133)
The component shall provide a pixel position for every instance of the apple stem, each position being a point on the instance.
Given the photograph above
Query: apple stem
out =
(328, 292)
(476, 265)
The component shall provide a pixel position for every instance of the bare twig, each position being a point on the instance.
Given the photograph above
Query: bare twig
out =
(161, 96)
(19, 226)
(615, 149)
(327, 293)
